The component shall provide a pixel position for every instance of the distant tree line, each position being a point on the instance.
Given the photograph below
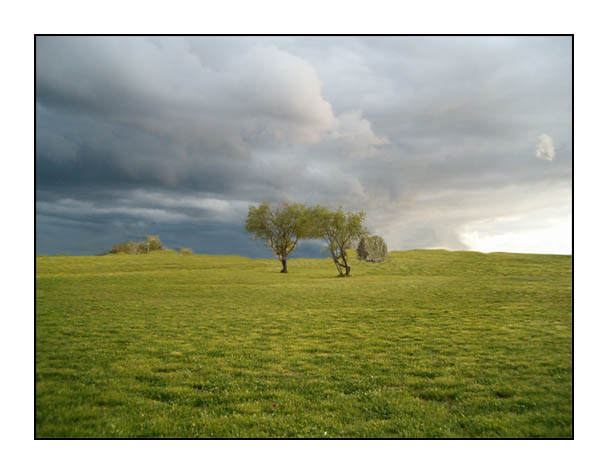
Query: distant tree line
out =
(284, 226)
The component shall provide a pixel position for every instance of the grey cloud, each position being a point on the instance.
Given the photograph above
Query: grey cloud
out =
(156, 131)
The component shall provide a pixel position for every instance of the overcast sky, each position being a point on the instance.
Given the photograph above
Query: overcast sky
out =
(453, 142)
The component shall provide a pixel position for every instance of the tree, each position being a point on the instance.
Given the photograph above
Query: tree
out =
(340, 230)
(372, 249)
(282, 227)
(362, 252)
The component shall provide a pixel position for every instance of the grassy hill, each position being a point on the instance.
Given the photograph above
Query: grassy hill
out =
(429, 343)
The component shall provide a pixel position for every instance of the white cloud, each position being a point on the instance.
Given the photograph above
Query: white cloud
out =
(545, 149)
(547, 230)
(357, 135)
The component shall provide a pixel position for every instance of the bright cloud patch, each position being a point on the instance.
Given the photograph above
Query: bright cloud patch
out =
(545, 149)
(540, 232)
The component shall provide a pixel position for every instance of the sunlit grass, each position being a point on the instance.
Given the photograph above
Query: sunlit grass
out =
(426, 344)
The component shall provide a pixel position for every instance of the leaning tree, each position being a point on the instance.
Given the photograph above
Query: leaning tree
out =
(282, 227)
(340, 229)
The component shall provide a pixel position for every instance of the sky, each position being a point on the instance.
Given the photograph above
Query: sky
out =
(444, 142)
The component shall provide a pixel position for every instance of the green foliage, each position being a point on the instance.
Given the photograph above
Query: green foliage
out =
(126, 247)
(151, 244)
(185, 251)
(362, 252)
(340, 230)
(282, 227)
(372, 249)
(429, 344)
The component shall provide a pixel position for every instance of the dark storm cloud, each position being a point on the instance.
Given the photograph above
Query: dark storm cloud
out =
(431, 136)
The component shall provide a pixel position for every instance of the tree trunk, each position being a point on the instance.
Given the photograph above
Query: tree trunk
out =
(284, 263)
(345, 264)
(337, 263)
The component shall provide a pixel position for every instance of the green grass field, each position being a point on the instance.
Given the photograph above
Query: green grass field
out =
(429, 343)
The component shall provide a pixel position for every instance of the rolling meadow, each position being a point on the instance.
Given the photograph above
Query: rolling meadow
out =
(429, 343)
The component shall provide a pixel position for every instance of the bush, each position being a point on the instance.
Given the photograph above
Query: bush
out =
(152, 243)
(372, 249)
(185, 251)
(125, 247)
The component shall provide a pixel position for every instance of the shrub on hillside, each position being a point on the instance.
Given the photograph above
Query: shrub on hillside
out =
(185, 251)
(372, 249)
(125, 247)
(152, 243)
